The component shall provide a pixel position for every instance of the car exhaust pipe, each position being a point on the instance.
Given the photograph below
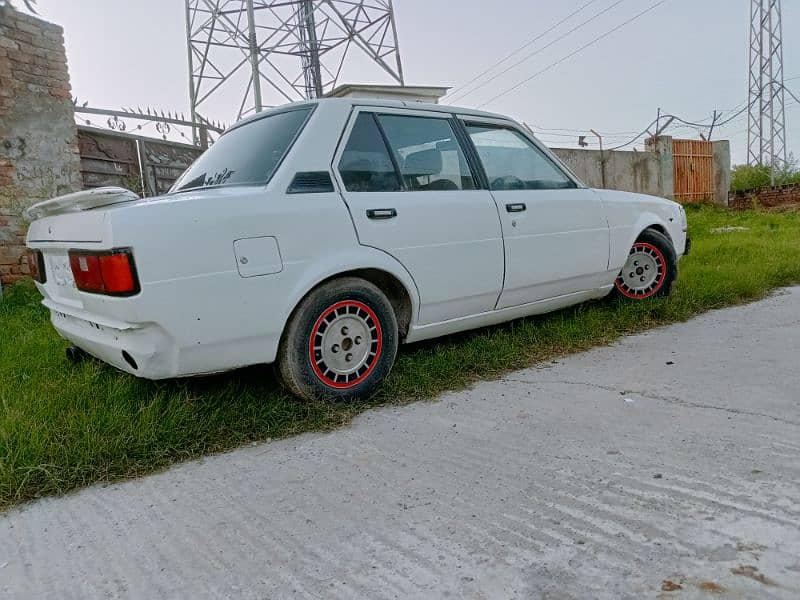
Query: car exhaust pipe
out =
(76, 355)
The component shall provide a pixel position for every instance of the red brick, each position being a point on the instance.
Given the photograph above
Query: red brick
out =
(788, 195)
(61, 94)
(10, 255)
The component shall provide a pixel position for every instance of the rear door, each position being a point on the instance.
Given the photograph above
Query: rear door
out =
(412, 193)
(556, 232)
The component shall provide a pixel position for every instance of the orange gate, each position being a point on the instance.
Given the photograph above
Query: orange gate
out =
(693, 170)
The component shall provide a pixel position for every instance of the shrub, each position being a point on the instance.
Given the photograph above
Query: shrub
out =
(750, 177)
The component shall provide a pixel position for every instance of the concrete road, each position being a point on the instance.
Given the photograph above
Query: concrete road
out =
(665, 466)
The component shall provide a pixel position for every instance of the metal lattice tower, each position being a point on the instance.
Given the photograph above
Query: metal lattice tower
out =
(264, 52)
(766, 124)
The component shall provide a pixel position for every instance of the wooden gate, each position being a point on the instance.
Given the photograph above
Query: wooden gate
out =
(693, 170)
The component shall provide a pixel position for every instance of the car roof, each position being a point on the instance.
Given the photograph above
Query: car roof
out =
(377, 102)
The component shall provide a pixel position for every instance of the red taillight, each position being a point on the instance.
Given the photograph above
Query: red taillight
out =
(112, 273)
(36, 265)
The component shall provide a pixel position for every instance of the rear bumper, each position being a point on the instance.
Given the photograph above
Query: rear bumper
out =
(144, 350)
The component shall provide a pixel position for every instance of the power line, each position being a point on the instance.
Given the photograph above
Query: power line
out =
(525, 45)
(604, 133)
(790, 92)
(736, 114)
(539, 50)
(677, 118)
(571, 54)
(539, 131)
(634, 140)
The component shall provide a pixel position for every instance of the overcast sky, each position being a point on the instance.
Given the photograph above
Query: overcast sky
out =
(688, 57)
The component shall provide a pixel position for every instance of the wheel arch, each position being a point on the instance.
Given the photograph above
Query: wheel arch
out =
(375, 266)
(621, 245)
(656, 227)
(389, 284)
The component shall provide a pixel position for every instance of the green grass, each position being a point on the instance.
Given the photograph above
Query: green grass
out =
(64, 426)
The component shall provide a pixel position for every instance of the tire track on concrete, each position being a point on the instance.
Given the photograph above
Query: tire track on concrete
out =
(608, 525)
(673, 493)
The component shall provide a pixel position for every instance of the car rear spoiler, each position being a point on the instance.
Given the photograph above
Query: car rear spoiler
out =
(78, 201)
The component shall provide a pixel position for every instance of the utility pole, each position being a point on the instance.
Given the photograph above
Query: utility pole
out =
(713, 124)
(602, 159)
(766, 122)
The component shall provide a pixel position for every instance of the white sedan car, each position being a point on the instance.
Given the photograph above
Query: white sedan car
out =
(320, 235)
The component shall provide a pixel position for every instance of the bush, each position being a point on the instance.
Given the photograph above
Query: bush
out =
(749, 177)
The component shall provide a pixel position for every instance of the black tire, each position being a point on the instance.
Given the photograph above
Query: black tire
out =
(352, 303)
(633, 284)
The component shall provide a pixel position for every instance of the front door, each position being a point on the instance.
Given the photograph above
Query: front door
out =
(411, 193)
(556, 232)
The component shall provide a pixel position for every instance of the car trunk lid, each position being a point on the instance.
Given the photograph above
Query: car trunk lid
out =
(75, 221)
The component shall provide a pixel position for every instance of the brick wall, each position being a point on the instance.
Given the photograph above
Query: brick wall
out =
(38, 140)
(768, 197)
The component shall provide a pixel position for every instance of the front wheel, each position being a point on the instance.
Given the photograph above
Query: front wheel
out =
(340, 343)
(650, 270)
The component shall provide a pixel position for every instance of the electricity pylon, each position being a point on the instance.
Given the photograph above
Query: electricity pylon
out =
(266, 52)
(766, 123)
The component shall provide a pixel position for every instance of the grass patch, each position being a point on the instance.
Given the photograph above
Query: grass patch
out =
(63, 427)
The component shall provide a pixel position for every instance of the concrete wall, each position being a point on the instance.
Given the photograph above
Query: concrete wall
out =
(660, 148)
(722, 171)
(628, 171)
(648, 172)
(38, 144)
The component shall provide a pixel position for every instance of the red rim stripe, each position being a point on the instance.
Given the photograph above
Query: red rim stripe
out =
(662, 264)
(315, 331)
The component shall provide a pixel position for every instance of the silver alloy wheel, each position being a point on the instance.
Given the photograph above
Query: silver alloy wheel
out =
(643, 272)
(345, 345)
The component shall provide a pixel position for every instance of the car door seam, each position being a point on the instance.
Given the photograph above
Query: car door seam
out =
(461, 130)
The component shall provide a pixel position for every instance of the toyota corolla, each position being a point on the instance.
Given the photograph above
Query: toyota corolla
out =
(320, 235)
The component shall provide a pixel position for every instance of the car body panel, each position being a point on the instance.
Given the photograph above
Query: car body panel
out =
(562, 237)
(629, 214)
(450, 241)
(202, 310)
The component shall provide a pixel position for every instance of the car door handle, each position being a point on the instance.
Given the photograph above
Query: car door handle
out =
(516, 207)
(381, 213)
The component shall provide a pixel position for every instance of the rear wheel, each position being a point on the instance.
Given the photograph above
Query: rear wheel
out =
(650, 270)
(340, 343)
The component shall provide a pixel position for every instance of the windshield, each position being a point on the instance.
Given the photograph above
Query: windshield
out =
(245, 155)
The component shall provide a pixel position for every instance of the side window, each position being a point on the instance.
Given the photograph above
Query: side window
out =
(366, 165)
(513, 163)
(427, 152)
